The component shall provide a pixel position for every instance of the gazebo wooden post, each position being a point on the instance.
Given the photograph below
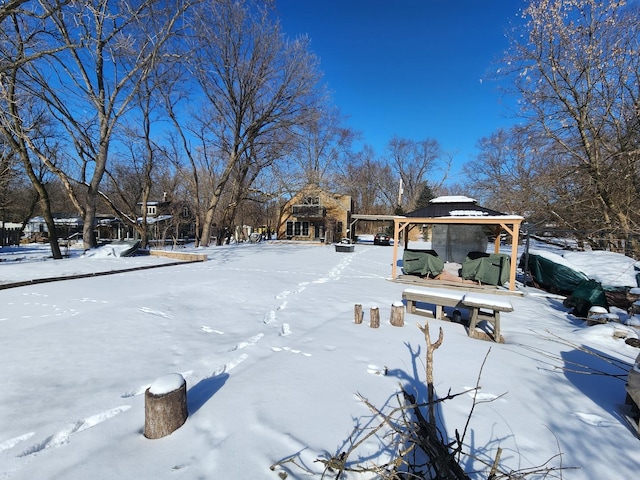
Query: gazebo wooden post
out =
(514, 256)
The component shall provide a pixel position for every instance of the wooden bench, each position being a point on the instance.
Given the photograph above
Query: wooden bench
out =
(434, 296)
(485, 307)
(480, 307)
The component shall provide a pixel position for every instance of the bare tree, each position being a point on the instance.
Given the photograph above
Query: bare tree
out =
(323, 147)
(510, 173)
(258, 88)
(105, 49)
(577, 72)
(416, 162)
(22, 121)
(10, 7)
(369, 181)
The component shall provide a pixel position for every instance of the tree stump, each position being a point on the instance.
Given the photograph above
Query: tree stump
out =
(375, 317)
(397, 314)
(165, 406)
(357, 313)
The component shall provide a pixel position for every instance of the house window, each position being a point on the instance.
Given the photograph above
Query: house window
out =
(151, 209)
(339, 227)
(311, 201)
(298, 229)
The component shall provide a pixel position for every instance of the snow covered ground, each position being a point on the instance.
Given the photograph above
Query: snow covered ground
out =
(265, 338)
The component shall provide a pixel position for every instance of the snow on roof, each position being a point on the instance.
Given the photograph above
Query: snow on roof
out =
(468, 213)
(453, 199)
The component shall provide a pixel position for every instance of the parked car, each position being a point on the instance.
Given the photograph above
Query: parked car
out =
(382, 239)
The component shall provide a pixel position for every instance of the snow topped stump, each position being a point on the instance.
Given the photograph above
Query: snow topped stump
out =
(165, 406)
(397, 314)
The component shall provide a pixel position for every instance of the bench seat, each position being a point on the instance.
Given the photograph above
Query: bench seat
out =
(481, 307)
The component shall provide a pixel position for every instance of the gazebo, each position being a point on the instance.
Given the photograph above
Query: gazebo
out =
(458, 211)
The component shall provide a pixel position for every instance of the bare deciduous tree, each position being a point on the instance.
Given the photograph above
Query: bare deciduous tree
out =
(509, 173)
(577, 72)
(105, 49)
(416, 162)
(370, 182)
(22, 121)
(258, 88)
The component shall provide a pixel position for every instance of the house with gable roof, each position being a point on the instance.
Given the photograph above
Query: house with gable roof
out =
(313, 214)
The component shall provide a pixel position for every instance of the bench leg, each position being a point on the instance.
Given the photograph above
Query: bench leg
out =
(439, 312)
(473, 319)
(496, 325)
(411, 306)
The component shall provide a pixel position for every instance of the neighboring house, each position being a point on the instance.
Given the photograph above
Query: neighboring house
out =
(316, 215)
(109, 227)
(168, 221)
(66, 226)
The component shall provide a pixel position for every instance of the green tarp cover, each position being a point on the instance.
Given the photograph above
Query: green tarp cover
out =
(493, 269)
(587, 294)
(421, 262)
(552, 276)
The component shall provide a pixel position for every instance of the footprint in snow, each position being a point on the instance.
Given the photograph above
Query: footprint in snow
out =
(375, 370)
(83, 300)
(64, 435)
(283, 294)
(157, 313)
(252, 341)
(269, 317)
(290, 350)
(594, 420)
(480, 397)
(12, 442)
(206, 329)
(143, 388)
(229, 365)
(285, 330)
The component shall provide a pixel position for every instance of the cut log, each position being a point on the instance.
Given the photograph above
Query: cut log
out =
(397, 314)
(165, 406)
(375, 317)
(357, 313)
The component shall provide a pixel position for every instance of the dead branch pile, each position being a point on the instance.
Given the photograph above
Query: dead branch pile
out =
(409, 442)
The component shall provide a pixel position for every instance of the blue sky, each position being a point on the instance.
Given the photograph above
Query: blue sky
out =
(412, 68)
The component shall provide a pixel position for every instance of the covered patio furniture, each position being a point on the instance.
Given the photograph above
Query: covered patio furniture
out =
(422, 262)
(490, 269)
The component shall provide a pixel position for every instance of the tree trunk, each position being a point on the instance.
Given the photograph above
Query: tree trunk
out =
(375, 317)
(397, 314)
(165, 406)
(357, 313)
